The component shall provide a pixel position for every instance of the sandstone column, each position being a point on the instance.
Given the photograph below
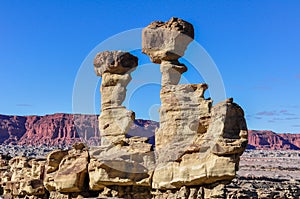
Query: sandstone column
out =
(197, 145)
(182, 106)
(115, 120)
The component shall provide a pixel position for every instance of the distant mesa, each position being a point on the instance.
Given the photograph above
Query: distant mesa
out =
(269, 140)
(66, 129)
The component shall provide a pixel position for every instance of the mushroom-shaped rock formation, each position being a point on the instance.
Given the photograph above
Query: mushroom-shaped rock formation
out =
(197, 144)
(115, 120)
(120, 160)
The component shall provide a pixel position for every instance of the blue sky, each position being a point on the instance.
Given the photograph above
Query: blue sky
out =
(254, 44)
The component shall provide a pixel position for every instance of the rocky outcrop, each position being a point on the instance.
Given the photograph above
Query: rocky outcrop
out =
(12, 128)
(66, 171)
(293, 139)
(49, 130)
(197, 144)
(130, 165)
(22, 177)
(262, 174)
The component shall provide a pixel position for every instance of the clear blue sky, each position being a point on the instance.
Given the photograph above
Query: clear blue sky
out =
(255, 45)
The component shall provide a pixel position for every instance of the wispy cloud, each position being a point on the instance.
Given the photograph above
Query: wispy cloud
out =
(276, 115)
(285, 112)
(292, 118)
(285, 118)
(24, 105)
(267, 113)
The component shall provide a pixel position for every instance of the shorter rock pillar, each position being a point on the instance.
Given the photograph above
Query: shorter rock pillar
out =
(115, 120)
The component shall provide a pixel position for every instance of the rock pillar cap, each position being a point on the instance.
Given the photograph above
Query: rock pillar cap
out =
(116, 62)
(167, 41)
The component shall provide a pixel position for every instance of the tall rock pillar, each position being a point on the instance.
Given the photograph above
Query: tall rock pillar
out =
(182, 106)
(197, 145)
(115, 120)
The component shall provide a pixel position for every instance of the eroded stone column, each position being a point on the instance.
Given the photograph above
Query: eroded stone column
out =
(197, 145)
(184, 112)
(115, 120)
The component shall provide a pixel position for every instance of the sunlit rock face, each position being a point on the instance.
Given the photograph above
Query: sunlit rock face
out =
(122, 159)
(115, 120)
(197, 144)
(166, 41)
(66, 171)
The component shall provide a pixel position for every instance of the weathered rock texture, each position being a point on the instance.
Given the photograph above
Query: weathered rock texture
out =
(115, 120)
(66, 171)
(123, 160)
(262, 174)
(197, 145)
(23, 177)
(167, 41)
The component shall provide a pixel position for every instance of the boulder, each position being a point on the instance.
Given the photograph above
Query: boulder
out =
(166, 41)
(129, 165)
(66, 171)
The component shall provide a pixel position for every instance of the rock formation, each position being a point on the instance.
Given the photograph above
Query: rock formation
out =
(197, 146)
(122, 160)
(262, 174)
(66, 171)
(24, 177)
(115, 120)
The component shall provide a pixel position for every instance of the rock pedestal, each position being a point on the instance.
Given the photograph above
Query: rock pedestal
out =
(115, 120)
(122, 160)
(198, 145)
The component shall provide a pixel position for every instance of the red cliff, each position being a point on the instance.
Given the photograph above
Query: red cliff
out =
(65, 129)
(264, 139)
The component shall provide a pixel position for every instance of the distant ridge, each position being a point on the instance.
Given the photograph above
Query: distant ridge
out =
(264, 139)
(65, 129)
(61, 129)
